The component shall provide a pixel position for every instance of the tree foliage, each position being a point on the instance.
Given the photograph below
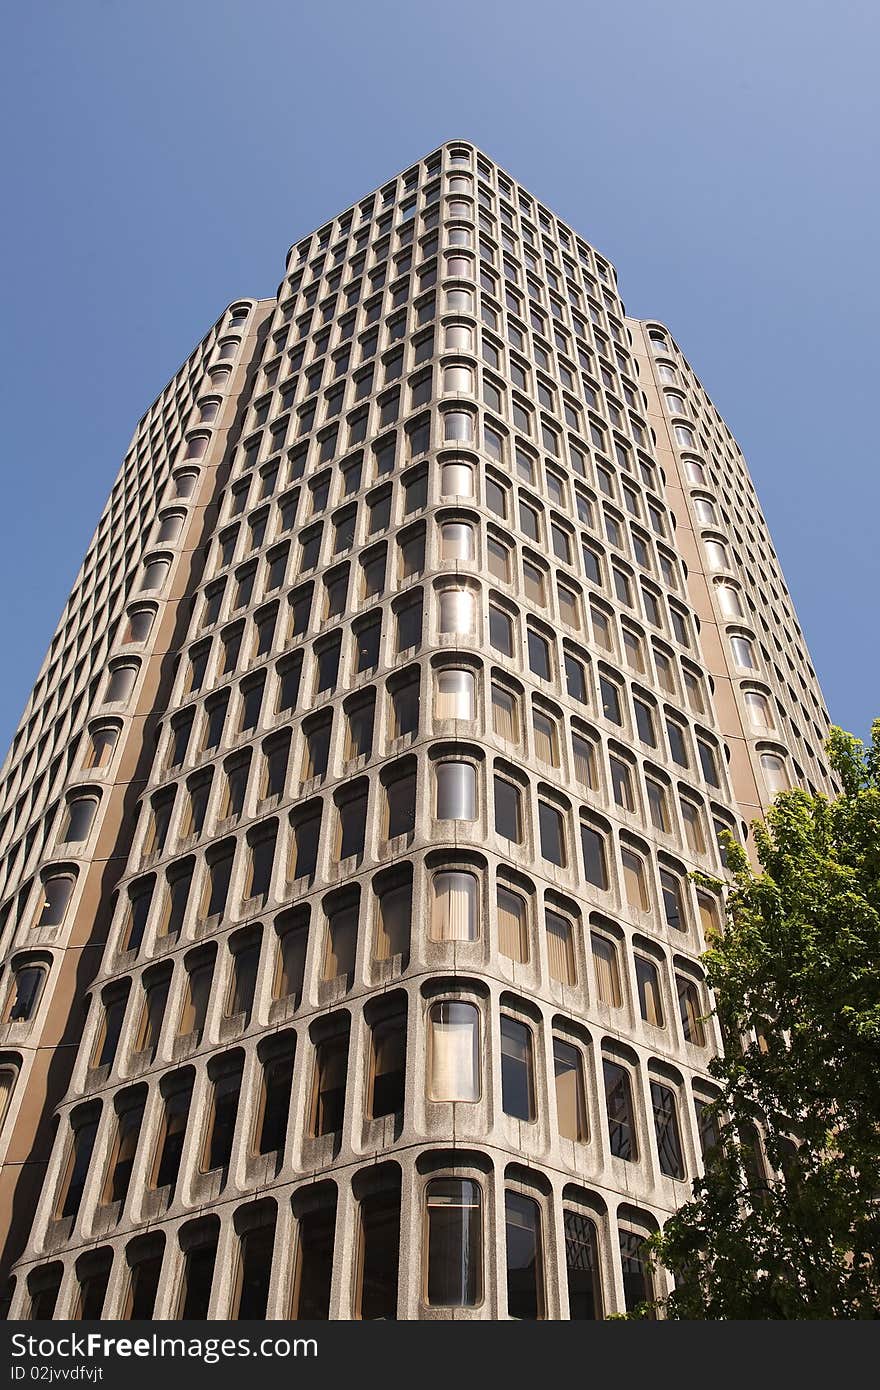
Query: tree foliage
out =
(789, 1226)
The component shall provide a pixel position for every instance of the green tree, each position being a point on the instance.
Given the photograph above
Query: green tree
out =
(789, 1227)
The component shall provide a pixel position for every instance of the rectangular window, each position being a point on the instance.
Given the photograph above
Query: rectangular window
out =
(517, 1075)
(525, 1275)
(331, 1065)
(275, 1101)
(571, 1108)
(378, 1255)
(618, 1101)
(666, 1129)
(560, 949)
(388, 1069)
(313, 1264)
(582, 1266)
(648, 984)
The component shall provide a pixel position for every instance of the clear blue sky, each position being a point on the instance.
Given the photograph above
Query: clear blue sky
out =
(161, 156)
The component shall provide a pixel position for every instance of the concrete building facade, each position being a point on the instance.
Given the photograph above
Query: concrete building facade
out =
(350, 943)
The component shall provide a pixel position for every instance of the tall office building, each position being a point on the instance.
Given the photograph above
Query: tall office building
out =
(350, 947)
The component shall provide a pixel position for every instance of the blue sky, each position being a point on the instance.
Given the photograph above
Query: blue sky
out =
(161, 157)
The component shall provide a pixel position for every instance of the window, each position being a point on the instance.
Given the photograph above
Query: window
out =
(313, 1267)
(306, 836)
(378, 1254)
(582, 1266)
(525, 1275)
(102, 741)
(351, 805)
(551, 830)
(400, 805)
(584, 761)
(618, 1102)
(290, 960)
(223, 1113)
(539, 654)
(677, 748)
(508, 818)
(546, 738)
(200, 1256)
(666, 1129)
(454, 696)
(394, 916)
(775, 774)
(387, 1067)
(758, 709)
(456, 791)
(673, 900)
(605, 964)
(453, 1051)
(621, 783)
(693, 826)
(200, 973)
(593, 849)
(634, 880)
(637, 1284)
(144, 1260)
(571, 1111)
(610, 696)
(359, 728)
(457, 611)
(152, 1015)
(501, 630)
(341, 944)
(129, 1115)
(533, 584)
(409, 624)
(256, 1246)
(657, 804)
(24, 994)
(517, 1070)
(691, 1011)
(454, 1243)
(743, 654)
(316, 747)
(114, 1003)
(120, 683)
(331, 1065)
(648, 987)
(708, 764)
(576, 678)
(644, 722)
(454, 914)
(261, 858)
(84, 1128)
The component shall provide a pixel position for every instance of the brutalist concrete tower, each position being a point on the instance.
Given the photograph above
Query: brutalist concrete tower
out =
(350, 948)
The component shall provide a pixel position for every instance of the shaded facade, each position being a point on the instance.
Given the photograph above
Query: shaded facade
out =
(430, 635)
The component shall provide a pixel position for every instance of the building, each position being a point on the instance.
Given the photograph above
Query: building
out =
(429, 636)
